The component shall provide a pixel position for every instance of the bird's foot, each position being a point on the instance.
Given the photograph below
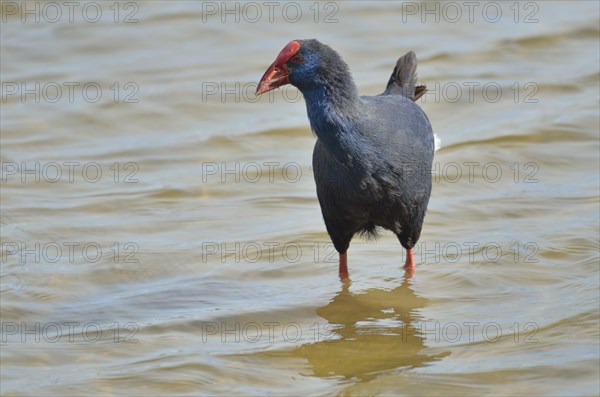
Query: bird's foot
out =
(344, 267)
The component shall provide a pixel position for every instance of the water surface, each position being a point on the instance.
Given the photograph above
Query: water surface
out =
(165, 237)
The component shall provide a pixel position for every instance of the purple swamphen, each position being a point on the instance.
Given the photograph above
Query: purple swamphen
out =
(373, 155)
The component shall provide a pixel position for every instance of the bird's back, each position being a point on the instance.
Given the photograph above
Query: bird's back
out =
(396, 152)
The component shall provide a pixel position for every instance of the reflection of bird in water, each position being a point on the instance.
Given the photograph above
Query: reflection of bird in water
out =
(375, 334)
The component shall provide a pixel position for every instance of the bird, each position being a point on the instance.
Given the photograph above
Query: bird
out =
(373, 155)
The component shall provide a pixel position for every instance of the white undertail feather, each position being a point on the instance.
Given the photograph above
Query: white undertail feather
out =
(437, 142)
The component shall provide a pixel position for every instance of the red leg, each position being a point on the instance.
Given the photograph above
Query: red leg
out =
(343, 266)
(410, 261)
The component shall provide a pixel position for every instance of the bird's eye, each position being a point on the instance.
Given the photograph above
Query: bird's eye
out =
(297, 59)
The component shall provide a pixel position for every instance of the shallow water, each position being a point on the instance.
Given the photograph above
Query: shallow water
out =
(165, 237)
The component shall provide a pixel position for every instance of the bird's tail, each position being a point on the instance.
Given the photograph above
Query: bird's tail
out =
(404, 78)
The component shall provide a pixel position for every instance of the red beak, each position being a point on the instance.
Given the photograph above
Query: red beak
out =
(274, 77)
(277, 74)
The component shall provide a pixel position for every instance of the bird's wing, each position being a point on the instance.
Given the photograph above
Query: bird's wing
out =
(404, 78)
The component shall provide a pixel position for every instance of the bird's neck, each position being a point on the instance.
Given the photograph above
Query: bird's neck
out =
(332, 110)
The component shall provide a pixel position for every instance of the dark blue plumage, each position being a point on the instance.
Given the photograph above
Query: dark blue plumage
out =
(373, 156)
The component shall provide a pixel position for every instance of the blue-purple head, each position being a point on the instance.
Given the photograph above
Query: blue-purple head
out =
(302, 63)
